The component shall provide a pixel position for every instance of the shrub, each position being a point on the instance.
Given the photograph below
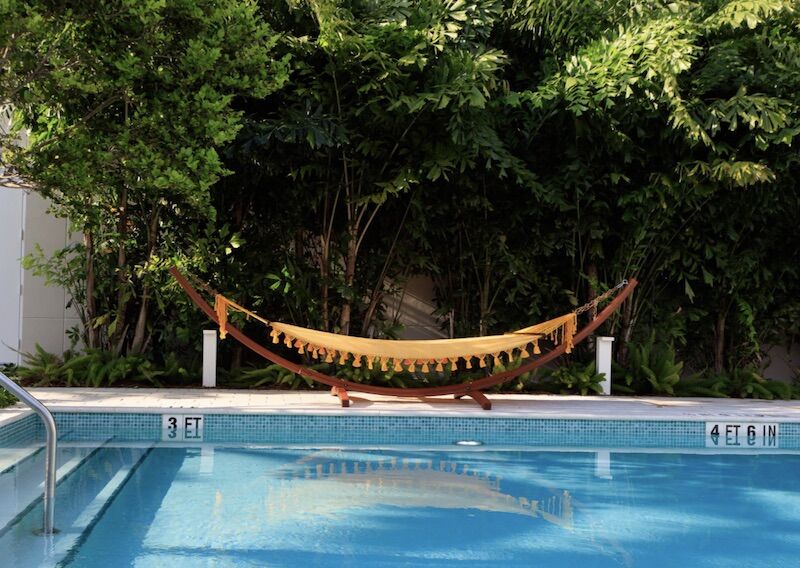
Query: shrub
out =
(6, 398)
(97, 368)
(715, 385)
(745, 382)
(651, 369)
(270, 376)
(779, 390)
(574, 378)
(748, 383)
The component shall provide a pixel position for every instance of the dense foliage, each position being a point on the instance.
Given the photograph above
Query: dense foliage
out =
(309, 156)
(6, 398)
(125, 128)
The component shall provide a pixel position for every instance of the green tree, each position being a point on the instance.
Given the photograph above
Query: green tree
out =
(523, 154)
(386, 101)
(680, 124)
(124, 137)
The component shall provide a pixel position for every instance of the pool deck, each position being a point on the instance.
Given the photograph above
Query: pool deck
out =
(218, 401)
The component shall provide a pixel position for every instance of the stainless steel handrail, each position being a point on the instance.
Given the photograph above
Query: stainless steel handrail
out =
(49, 499)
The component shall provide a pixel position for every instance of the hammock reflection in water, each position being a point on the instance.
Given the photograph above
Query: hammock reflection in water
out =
(329, 487)
(185, 507)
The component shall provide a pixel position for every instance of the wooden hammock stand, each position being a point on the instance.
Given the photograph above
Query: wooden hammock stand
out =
(340, 387)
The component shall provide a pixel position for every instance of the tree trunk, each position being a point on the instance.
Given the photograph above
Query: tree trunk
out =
(485, 295)
(626, 332)
(369, 315)
(236, 357)
(591, 274)
(719, 341)
(378, 291)
(324, 260)
(484, 308)
(91, 334)
(120, 329)
(349, 279)
(140, 331)
(141, 323)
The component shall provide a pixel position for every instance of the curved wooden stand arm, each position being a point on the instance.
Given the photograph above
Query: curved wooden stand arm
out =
(340, 387)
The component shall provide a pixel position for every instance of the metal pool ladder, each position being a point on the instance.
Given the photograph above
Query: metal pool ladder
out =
(49, 499)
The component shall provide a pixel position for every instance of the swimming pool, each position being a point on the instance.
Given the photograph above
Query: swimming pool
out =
(150, 502)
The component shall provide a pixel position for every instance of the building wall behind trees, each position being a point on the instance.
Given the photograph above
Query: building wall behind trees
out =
(12, 210)
(32, 312)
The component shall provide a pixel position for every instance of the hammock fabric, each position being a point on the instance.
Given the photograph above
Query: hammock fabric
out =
(406, 354)
(411, 355)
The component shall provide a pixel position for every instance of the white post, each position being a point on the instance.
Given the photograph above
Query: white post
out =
(603, 360)
(210, 358)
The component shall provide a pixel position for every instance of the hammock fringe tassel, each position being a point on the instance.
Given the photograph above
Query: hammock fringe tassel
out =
(409, 354)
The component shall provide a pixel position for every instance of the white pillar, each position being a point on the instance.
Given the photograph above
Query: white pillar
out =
(210, 358)
(603, 360)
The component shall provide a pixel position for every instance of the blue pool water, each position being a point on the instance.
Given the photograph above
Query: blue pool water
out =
(242, 506)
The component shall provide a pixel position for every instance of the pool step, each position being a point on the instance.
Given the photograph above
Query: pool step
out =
(85, 487)
(22, 482)
(10, 457)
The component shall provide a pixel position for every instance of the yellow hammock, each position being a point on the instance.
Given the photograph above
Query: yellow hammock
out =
(408, 354)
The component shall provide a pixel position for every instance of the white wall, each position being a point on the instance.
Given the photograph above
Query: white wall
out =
(45, 316)
(12, 210)
(416, 306)
(39, 315)
(783, 363)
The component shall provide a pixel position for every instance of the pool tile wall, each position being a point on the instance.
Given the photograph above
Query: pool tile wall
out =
(407, 429)
(790, 429)
(446, 430)
(122, 426)
(22, 432)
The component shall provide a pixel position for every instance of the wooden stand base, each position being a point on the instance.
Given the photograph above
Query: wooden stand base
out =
(341, 392)
(481, 399)
(478, 397)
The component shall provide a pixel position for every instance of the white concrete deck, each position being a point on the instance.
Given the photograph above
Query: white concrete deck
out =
(316, 402)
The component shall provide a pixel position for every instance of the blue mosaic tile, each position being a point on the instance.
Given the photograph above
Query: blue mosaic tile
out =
(355, 429)
(790, 430)
(76, 426)
(23, 432)
(351, 429)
